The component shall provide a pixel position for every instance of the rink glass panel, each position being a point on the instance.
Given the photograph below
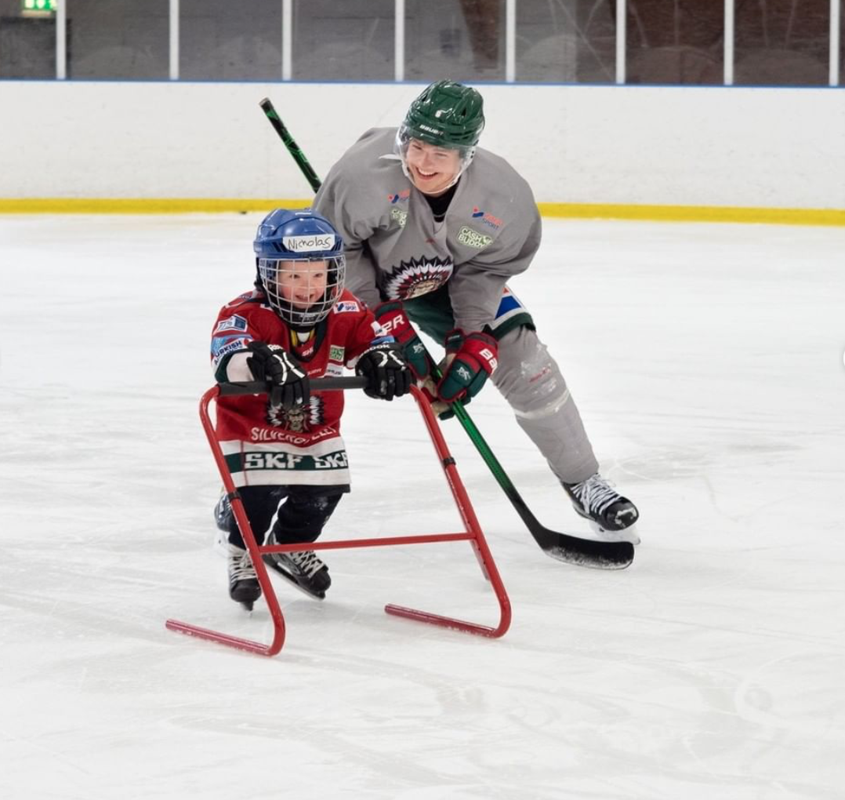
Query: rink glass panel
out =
(782, 43)
(348, 41)
(566, 41)
(463, 40)
(223, 40)
(118, 39)
(667, 42)
(27, 43)
(675, 42)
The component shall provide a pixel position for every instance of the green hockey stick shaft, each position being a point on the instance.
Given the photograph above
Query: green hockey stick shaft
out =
(292, 146)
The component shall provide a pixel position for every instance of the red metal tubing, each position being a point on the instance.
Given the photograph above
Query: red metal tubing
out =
(473, 534)
(479, 542)
(249, 540)
(349, 543)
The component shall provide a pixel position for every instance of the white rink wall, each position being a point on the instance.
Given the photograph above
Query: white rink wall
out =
(675, 146)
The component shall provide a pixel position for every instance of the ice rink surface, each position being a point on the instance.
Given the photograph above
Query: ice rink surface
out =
(707, 361)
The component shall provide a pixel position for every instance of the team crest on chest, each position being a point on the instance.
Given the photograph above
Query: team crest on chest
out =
(298, 420)
(417, 277)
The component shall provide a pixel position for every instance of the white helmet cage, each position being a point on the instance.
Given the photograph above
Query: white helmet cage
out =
(302, 291)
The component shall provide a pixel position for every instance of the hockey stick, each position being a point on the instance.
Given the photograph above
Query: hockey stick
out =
(290, 144)
(562, 546)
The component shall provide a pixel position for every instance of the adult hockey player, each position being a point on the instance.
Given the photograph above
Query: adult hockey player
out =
(284, 450)
(434, 228)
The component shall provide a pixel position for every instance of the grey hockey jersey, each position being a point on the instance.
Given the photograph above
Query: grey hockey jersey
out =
(396, 250)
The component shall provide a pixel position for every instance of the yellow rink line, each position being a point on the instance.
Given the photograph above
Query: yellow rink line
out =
(655, 213)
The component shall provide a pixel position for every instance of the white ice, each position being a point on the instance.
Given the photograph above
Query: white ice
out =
(707, 362)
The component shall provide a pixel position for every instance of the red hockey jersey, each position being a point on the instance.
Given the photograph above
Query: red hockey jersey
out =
(272, 446)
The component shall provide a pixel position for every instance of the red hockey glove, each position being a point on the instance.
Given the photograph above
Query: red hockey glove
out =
(392, 317)
(470, 359)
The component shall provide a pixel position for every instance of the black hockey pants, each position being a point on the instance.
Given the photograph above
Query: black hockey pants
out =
(303, 513)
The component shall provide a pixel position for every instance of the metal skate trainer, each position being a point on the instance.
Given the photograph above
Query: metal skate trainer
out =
(473, 533)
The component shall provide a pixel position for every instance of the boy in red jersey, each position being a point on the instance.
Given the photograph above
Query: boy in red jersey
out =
(284, 450)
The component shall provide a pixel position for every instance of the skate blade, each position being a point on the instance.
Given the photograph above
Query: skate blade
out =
(629, 534)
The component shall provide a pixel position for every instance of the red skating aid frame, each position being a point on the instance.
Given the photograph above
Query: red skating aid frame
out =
(473, 534)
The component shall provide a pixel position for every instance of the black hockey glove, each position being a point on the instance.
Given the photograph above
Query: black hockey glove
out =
(386, 371)
(289, 386)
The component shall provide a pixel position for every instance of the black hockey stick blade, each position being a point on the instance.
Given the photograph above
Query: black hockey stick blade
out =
(581, 552)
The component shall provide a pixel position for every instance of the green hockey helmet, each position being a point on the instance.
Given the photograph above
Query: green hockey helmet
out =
(447, 114)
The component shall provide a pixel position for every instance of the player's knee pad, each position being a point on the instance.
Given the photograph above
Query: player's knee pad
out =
(528, 377)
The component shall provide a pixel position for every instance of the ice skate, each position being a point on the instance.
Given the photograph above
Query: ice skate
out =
(223, 512)
(243, 583)
(302, 568)
(222, 515)
(611, 515)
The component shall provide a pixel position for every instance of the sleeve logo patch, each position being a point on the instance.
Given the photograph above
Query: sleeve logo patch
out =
(233, 323)
(236, 346)
(337, 353)
(470, 238)
(346, 305)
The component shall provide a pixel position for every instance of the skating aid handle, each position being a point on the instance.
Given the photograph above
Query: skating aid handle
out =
(318, 385)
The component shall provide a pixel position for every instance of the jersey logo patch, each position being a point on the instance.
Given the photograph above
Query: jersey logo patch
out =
(336, 353)
(298, 420)
(346, 305)
(399, 216)
(233, 323)
(486, 219)
(470, 238)
(417, 277)
(399, 196)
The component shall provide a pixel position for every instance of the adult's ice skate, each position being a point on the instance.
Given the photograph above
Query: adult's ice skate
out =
(611, 515)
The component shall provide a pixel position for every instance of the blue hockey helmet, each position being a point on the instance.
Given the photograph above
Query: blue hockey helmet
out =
(301, 267)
